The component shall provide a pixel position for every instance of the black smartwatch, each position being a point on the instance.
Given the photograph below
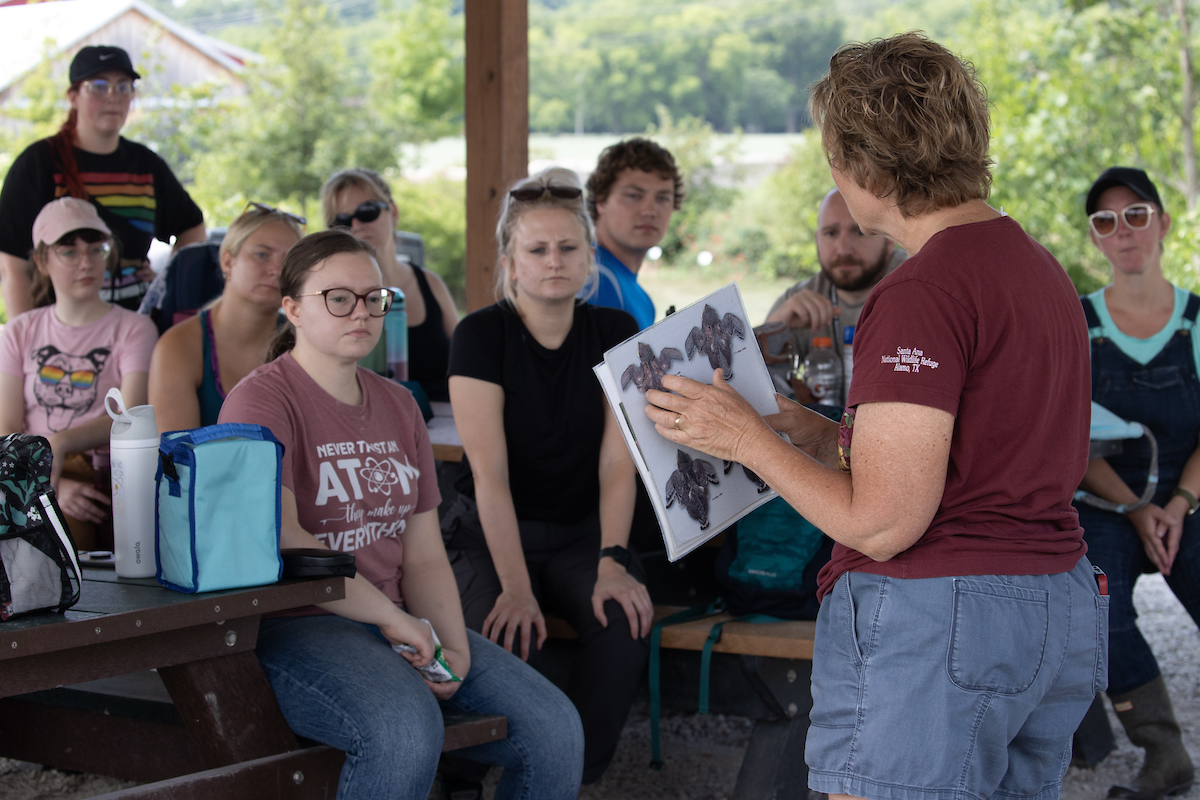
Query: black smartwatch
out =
(618, 554)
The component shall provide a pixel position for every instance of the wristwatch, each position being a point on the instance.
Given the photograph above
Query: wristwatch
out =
(1192, 502)
(616, 553)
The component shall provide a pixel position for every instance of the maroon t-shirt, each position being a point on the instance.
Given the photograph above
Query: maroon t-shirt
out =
(359, 473)
(984, 324)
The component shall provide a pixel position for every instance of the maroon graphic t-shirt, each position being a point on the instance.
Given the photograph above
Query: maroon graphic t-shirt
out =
(984, 324)
(359, 473)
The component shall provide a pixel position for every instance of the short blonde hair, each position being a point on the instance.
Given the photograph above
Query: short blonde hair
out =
(906, 119)
(511, 211)
(368, 180)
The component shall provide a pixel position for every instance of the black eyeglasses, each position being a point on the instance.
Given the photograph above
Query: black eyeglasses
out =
(341, 302)
(528, 194)
(263, 208)
(366, 212)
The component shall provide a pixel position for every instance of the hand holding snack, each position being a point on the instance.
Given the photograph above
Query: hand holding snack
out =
(437, 670)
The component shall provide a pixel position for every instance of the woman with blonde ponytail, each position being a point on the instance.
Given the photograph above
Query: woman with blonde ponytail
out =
(133, 189)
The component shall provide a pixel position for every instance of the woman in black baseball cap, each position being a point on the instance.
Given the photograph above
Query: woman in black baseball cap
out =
(1145, 368)
(133, 189)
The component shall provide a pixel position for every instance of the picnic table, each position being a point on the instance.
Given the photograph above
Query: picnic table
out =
(220, 731)
(202, 646)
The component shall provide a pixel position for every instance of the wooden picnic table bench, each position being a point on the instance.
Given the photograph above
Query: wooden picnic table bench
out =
(758, 670)
(204, 724)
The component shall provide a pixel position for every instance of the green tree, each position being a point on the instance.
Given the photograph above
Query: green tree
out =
(437, 210)
(299, 122)
(417, 71)
(1075, 92)
(691, 142)
(39, 110)
(605, 65)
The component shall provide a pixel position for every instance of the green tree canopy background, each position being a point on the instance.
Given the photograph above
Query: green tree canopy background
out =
(1075, 86)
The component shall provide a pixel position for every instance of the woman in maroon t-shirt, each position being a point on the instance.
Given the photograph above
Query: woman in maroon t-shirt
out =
(959, 566)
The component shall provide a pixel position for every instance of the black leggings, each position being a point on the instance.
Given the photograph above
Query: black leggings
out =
(562, 560)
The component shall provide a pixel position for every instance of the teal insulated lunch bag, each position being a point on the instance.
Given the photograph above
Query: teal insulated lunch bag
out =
(217, 517)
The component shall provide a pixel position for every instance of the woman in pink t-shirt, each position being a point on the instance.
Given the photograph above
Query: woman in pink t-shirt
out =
(59, 360)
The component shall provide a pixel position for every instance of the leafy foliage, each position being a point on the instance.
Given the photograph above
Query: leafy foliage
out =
(1075, 93)
(417, 72)
(606, 65)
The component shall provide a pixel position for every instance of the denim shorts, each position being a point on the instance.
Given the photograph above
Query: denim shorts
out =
(953, 688)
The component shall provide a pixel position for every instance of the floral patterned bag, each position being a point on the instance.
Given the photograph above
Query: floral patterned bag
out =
(39, 569)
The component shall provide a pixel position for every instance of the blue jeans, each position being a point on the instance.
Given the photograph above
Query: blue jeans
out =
(340, 683)
(1114, 547)
(957, 687)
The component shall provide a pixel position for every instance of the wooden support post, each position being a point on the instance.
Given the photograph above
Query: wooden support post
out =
(497, 127)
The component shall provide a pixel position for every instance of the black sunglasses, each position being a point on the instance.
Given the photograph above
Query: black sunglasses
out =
(263, 208)
(527, 194)
(366, 212)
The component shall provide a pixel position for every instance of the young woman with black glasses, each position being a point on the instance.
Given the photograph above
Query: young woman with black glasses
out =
(134, 190)
(358, 476)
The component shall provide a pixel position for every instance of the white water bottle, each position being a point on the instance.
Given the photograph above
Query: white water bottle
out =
(133, 449)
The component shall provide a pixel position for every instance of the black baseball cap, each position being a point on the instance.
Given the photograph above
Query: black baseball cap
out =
(1131, 178)
(100, 58)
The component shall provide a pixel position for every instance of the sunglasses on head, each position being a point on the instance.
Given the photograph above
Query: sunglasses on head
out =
(529, 193)
(366, 212)
(262, 208)
(1137, 218)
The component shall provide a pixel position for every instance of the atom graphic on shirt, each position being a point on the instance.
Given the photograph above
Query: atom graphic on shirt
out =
(380, 476)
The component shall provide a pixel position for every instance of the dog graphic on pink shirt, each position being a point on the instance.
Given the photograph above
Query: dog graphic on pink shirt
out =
(66, 384)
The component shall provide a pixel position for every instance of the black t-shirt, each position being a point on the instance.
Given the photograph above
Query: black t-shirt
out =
(553, 405)
(134, 190)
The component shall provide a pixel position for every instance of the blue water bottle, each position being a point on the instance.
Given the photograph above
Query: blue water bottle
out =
(395, 331)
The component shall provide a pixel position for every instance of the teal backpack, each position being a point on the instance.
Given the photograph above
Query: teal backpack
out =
(767, 569)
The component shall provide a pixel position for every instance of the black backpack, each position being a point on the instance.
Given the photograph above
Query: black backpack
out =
(192, 278)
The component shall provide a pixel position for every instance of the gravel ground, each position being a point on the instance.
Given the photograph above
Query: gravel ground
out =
(702, 753)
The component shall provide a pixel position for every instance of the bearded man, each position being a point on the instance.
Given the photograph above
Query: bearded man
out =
(851, 264)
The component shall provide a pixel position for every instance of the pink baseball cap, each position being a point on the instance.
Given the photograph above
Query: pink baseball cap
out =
(64, 215)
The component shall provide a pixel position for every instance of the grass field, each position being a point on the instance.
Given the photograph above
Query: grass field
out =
(679, 287)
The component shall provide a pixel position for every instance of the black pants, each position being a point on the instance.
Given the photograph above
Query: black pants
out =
(562, 562)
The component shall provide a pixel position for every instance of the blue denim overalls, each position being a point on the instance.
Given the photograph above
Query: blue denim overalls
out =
(1163, 395)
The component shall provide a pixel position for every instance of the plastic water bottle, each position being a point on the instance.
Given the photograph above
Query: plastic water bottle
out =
(823, 372)
(133, 453)
(847, 358)
(395, 331)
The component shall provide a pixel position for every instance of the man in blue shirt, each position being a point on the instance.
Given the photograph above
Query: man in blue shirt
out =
(632, 193)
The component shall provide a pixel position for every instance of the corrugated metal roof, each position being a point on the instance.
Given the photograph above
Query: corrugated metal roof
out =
(24, 30)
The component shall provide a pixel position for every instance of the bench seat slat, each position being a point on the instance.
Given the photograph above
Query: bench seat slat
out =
(790, 639)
